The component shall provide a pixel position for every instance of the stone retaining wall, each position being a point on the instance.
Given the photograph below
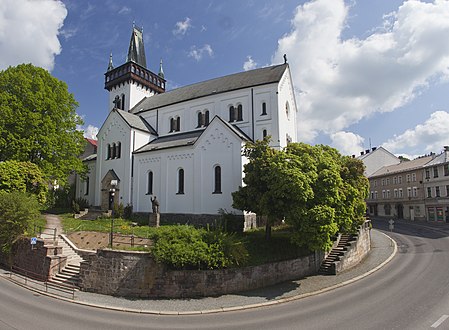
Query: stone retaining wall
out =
(357, 251)
(136, 274)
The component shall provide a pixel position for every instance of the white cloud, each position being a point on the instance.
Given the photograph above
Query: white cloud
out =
(182, 27)
(124, 10)
(343, 81)
(29, 32)
(249, 64)
(198, 53)
(347, 143)
(90, 132)
(433, 134)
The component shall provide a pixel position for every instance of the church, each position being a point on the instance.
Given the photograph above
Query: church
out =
(183, 146)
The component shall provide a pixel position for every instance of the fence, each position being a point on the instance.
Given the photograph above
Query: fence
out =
(41, 283)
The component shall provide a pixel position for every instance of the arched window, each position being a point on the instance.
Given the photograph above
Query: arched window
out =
(119, 149)
(180, 181)
(231, 114)
(264, 109)
(200, 120)
(239, 112)
(150, 183)
(287, 110)
(217, 180)
(86, 188)
(114, 150)
(178, 124)
(122, 104)
(206, 118)
(264, 133)
(108, 152)
(172, 124)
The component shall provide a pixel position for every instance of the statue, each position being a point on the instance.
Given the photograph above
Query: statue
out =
(154, 204)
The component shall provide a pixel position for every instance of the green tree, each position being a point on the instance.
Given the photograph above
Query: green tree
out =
(23, 177)
(17, 209)
(274, 184)
(38, 122)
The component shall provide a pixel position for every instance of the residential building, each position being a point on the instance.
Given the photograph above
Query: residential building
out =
(376, 158)
(397, 191)
(436, 187)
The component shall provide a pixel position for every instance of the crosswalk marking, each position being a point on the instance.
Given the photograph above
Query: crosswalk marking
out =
(440, 320)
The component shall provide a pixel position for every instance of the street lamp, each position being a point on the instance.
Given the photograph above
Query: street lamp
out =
(111, 207)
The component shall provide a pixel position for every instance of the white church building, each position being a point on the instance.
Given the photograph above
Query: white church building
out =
(184, 145)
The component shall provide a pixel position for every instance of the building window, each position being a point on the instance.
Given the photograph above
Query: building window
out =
(409, 192)
(372, 194)
(150, 183)
(446, 169)
(239, 112)
(86, 187)
(264, 109)
(206, 117)
(375, 194)
(429, 192)
(119, 149)
(203, 119)
(264, 134)
(382, 182)
(122, 103)
(232, 114)
(200, 120)
(400, 179)
(415, 192)
(413, 177)
(114, 151)
(375, 183)
(388, 193)
(217, 180)
(437, 191)
(401, 193)
(435, 172)
(383, 194)
(396, 194)
(395, 180)
(287, 110)
(180, 181)
(175, 124)
(447, 191)
(388, 181)
(427, 173)
(108, 152)
(407, 178)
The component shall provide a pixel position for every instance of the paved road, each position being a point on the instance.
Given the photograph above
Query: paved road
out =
(411, 292)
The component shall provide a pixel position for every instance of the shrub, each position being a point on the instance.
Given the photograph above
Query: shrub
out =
(118, 210)
(230, 222)
(185, 247)
(75, 207)
(128, 211)
(16, 211)
(82, 202)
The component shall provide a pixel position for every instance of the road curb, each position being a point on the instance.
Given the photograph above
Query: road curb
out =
(222, 309)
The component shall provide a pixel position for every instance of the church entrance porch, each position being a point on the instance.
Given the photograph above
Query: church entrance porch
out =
(110, 189)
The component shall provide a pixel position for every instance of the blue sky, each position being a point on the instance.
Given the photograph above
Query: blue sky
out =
(367, 73)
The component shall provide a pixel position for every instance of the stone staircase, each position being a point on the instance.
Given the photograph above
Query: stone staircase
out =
(69, 275)
(328, 265)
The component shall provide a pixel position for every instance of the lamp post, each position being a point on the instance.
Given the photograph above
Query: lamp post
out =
(111, 207)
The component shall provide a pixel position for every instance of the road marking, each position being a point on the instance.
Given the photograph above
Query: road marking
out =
(440, 320)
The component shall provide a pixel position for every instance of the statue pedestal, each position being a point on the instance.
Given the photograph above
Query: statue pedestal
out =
(154, 219)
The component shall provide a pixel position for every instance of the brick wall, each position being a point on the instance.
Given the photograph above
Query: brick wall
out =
(136, 274)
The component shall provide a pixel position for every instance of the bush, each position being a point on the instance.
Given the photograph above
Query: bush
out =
(185, 247)
(82, 202)
(75, 207)
(16, 211)
(118, 210)
(230, 222)
(128, 211)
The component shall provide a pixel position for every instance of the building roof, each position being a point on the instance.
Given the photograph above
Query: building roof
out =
(136, 122)
(257, 77)
(136, 51)
(186, 139)
(440, 159)
(403, 166)
(91, 141)
(90, 157)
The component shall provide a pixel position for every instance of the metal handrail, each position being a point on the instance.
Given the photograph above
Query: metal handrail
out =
(42, 279)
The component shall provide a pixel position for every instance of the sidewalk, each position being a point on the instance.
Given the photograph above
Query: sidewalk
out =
(383, 250)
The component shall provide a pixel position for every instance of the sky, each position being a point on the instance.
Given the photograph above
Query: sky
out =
(366, 73)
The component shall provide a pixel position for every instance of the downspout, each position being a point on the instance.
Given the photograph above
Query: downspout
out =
(252, 110)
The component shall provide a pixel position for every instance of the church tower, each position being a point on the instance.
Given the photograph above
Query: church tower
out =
(129, 83)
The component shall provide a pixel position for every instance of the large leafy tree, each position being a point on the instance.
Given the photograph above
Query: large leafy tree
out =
(38, 122)
(315, 189)
(23, 177)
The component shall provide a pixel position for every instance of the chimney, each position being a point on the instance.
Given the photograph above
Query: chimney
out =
(353, 156)
(367, 151)
(361, 153)
(446, 148)
(374, 148)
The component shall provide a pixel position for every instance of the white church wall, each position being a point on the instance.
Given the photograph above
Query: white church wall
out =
(115, 130)
(287, 110)
(86, 188)
(134, 93)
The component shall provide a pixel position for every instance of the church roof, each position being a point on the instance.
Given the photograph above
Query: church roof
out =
(136, 122)
(136, 51)
(187, 138)
(257, 77)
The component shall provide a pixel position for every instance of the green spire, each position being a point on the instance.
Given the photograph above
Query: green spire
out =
(110, 66)
(161, 70)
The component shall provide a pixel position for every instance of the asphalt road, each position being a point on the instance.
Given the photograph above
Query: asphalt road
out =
(411, 292)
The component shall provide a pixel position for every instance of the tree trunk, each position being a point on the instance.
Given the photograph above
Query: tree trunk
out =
(268, 230)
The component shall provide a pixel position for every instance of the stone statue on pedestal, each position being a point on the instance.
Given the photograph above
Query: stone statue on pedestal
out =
(154, 204)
